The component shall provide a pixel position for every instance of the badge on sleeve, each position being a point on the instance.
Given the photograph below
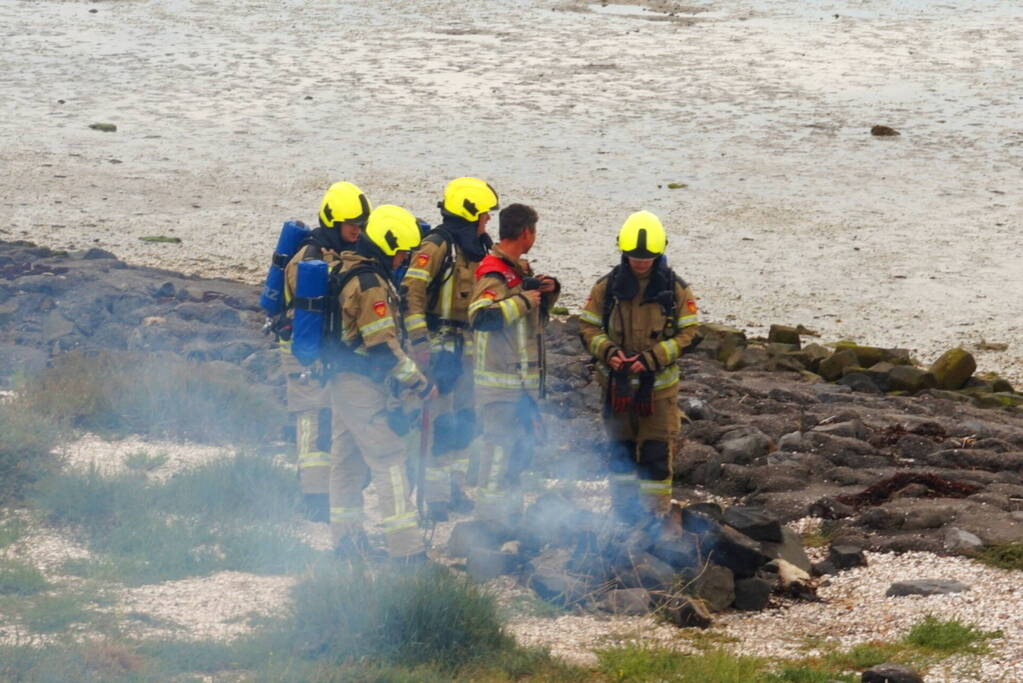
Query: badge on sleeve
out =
(422, 260)
(380, 308)
(691, 306)
(489, 294)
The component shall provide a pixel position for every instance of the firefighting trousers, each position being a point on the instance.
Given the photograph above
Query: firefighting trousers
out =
(452, 435)
(362, 440)
(498, 497)
(309, 403)
(641, 456)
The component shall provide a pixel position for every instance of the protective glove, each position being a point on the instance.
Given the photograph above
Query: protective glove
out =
(644, 399)
(445, 369)
(621, 392)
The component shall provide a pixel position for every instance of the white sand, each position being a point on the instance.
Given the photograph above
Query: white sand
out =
(793, 213)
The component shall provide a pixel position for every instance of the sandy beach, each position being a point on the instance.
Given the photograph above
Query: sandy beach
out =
(234, 117)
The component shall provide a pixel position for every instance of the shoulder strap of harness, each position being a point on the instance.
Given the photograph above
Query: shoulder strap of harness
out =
(440, 236)
(492, 264)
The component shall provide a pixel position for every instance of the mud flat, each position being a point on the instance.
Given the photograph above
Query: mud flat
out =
(232, 118)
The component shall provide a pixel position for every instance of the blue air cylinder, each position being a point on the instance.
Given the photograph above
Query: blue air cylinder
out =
(293, 233)
(310, 298)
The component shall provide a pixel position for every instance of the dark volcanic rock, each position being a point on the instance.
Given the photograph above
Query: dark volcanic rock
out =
(752, 594)
(753, 522)
(687, 612)
(890, 673)
(715, 586)
(844, 556)
(926, 587)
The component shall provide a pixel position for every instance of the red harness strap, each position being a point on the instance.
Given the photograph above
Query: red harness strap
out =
(495, 264)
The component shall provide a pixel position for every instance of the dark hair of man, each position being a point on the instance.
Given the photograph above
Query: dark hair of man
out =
(514, 219)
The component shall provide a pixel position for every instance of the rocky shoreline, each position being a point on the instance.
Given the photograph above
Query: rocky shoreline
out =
(939, 470)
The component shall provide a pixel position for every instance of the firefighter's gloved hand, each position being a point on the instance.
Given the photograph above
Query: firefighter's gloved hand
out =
(621, 392)
(445, 369)
(644, 399)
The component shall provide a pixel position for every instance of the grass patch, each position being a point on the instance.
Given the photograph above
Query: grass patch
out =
(640, 663)
(159, 395)
(12, 530)
(55, 613)
(20, 578)
(25, 445)
(402, 618)
(1005, 556)
(807, 674)
(143, 462)
(226, 515)
(866, 655)
(161, 239)
(952, 637)
(559, 310)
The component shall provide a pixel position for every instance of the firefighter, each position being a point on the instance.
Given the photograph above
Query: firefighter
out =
(637, 322)
(508, 312)
(370, 378)
(437, 287)
(343, 213)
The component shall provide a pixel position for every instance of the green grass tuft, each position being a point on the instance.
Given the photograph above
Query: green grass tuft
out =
(158, 395)
(161, 239)
(807, 674)
(226, 515)
(949, 636)
(55, 613)
(1005, 556)
(641, 663)
(144, 462)
(20, 578)
(394, 617)
(25, 444)
(12, 530)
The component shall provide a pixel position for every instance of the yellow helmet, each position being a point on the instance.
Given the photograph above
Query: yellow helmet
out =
(343, 203)
(468, 198)
(392, 229)
(642, 236)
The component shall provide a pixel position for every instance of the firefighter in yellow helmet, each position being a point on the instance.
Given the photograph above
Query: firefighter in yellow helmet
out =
(438, 288)
(509, 310)
(343, 213)
(371, 380)
(637, 322)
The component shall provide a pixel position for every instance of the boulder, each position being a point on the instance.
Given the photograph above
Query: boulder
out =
(746, 357)
(853, 429)
(733, 550)
(483, 564)
(465, 536)
(697, 409)
(789, 549)
(754, 522)
(720, 341)
(845, 556)
(793, 442)
(745, 446)
(831, 367)
(961, 541)
(953, 368)
(647, 571)
(890, 673)
(714, 585)
(627, 601)
(679, 551)
(687, 612)
(752, 594)
(783, 334)
(910, 379)
(926, 587)
(860, 382)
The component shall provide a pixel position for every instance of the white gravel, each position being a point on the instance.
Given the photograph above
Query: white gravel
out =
(215, 607)
(109, 456)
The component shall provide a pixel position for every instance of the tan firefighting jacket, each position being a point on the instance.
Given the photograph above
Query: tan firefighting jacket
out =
(640, 326)
(508, 334)
(371, 327)
(446, 323)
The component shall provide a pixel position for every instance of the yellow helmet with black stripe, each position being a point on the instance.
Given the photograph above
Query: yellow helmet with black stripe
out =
(392, 229)
(642, 236)
(344, 203)
(468, 198)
